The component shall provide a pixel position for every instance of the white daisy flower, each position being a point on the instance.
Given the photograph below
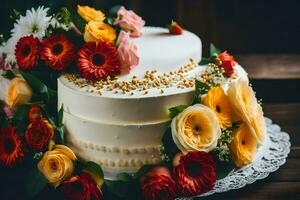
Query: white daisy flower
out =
(8, 49)
(35, 23)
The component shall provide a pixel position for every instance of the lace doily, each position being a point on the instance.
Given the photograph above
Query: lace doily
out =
(269, 158)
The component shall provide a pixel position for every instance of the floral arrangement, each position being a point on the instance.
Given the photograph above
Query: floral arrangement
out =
(220, 130)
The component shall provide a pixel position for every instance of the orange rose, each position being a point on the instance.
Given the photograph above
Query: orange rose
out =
(19, 92)
(244, 103)
(217, 100)
(95, 31)
(57, 165)
(243, 146)
(90, 14)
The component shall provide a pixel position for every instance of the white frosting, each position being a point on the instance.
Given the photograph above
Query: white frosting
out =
(123, 132)
(164, 52)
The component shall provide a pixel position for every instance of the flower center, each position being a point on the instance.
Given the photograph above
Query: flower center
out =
(53, 165)
(218, 109)
(26, 51)
(9, 146)
(193, 169)
(197, 129)
(57, 49)
(243, 142)
(98, 60)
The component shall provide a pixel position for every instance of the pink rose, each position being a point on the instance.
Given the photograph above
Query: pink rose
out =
(128, 52)
(130, 21)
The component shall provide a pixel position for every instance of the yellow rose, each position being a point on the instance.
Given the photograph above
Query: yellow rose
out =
(57, 165)
(244, 103)
(96, 31)
(243, 146)
(217, 100)
(90, 14)
(196, 129)
(18, 93)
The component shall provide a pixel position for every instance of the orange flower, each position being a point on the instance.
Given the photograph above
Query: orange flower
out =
(243, 146)
(244, 103)
(217, 100)
(19, 92)
(96, 31)
(90, 14)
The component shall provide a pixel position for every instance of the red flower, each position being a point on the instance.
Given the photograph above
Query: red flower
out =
(27, 52)
(195, 174)
(157, 184)
(11, 146)
(38, 135)
(81, 188)
(34, 113)
(58, 52)
(98, 60)
(227, 63)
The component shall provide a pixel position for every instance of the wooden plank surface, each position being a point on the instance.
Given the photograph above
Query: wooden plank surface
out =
(272, 66)
(285, 182)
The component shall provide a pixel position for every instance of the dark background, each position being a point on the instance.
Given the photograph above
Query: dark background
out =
(248, 26)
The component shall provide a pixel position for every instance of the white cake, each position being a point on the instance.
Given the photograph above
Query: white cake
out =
(122, 130)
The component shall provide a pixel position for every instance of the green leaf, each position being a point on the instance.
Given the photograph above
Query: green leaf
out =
(117, 188)
(113, 12)
(143, 170)
(125, 177)
(36, 85)
(205, 61)
(173, 112)
(60, 132)
(200, 89)
(79, 22)
(223, 169)
(35, 183)
(214, 50)
(170, 148)
(61, 116)
(95, 171)
(21, 111)
(8, 74)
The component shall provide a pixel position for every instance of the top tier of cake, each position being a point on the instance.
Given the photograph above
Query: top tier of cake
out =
(164, 52)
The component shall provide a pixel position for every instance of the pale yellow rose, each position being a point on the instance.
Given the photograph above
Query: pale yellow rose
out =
(96, 31)
(90, 14)
(18, 93)
(196, 129)
(243, 146)
(243, 101)
(217, 100)
(57, 165)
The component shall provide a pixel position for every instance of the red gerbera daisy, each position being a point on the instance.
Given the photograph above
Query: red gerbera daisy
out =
(98, 60)
(195, 174)
(27, 52)
(11, 146)
(58, 52)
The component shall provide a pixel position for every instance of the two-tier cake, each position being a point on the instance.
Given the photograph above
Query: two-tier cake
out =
(123, 120)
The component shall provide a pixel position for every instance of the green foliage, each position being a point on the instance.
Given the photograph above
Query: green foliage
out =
(8, 74)
(95, 170)
(170, 148)
(64, 16)
(15, 15)
(200, 89)
(214, 51)
(35, 183)
(173, 112)
(37, 86)
(223, 169)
